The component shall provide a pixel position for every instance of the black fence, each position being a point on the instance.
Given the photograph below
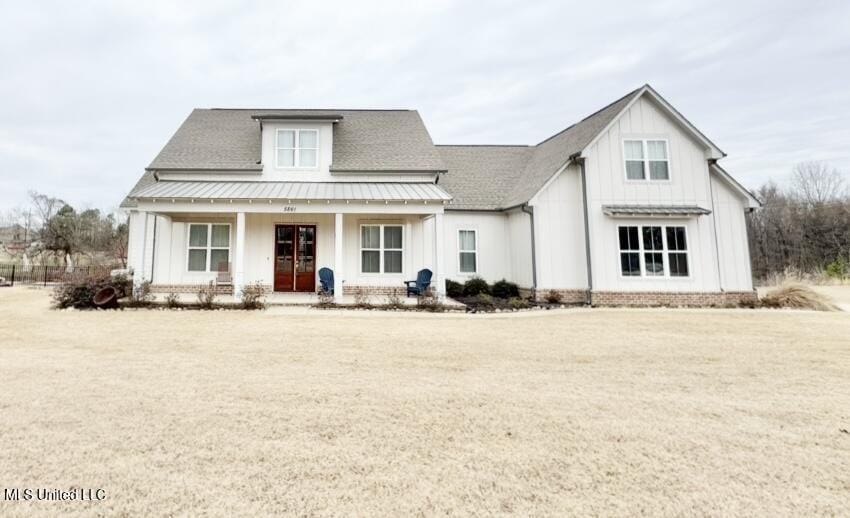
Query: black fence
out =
(17, 274)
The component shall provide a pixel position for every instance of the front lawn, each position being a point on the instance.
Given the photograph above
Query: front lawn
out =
(309, 412)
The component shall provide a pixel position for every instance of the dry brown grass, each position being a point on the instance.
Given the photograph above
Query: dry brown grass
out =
(797, 296)
(574, 412)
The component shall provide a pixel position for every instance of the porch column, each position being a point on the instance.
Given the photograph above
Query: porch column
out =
(439, 252)
(338, 257)
(137, 246)
(239, 256)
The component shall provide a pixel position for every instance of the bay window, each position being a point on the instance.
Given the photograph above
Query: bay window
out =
(653, 251)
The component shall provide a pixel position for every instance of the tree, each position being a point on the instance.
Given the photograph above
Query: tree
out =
(816, 183)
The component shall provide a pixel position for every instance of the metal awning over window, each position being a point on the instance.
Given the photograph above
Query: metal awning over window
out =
(634, 211)
(300, 191)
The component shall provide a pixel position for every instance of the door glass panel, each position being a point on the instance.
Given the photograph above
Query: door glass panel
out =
(306, 249)
(284, 250)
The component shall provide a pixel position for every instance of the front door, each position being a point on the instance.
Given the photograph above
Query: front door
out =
(295, 258)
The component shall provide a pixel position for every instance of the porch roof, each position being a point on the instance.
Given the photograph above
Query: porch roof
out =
(331, 191)
(654, 210)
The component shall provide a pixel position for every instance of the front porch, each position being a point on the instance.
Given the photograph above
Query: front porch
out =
(372, 248)
(310, 299)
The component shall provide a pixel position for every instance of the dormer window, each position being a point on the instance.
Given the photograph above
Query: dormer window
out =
(646, 160)
(297, 148)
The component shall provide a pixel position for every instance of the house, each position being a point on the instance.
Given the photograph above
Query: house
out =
(628, 206)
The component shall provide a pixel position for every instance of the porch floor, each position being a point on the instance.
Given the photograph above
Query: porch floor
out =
(304, 299)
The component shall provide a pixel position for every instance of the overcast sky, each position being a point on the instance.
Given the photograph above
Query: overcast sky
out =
(90, 92)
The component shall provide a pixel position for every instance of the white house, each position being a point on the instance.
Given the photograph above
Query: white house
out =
(628, 206)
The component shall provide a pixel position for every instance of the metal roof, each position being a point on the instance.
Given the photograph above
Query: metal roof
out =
(353, 191)
(654, 210)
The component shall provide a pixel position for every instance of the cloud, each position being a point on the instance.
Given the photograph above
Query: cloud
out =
(90, 92)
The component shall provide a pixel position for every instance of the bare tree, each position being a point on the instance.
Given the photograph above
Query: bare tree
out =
(816, 183)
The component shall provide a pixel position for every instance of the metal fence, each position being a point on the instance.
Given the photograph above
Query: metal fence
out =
(18, 274)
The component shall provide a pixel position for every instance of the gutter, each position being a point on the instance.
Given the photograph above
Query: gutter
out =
(530, 211)
(578, 159)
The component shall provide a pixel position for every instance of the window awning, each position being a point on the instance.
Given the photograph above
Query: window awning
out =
(633, 211)
(301, 191)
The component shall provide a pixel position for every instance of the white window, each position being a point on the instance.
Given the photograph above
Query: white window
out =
(653, 251)
(381, 248)
(209, 247)
(646, 160)
(467, 246)
(296, 148)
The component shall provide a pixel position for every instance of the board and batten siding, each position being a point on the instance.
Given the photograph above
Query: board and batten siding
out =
(494, 251)
(732, 242)
(688, 184)
(559, 233)
(519, 243)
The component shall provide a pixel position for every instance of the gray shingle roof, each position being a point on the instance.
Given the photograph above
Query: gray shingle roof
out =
(364, 140)
(230, 190)
(504, 177)
(480, 176)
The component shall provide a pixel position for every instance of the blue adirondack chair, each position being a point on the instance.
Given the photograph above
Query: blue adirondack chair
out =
(421, 284)
(326, 279)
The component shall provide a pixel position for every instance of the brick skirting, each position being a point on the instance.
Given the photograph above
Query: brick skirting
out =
(189, 288)
(401, 291)
(567, 296)
(658, 298)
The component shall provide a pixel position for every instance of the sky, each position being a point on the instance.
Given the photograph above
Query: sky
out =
(91, 91)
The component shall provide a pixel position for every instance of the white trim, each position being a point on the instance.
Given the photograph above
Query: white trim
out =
(381, 248)
(665, 251)
(296, 149)
(208, 248)
(646, 160)
(473, 251)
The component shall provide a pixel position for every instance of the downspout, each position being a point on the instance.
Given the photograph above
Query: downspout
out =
(530, 211)
(578, 159)
(714, 227)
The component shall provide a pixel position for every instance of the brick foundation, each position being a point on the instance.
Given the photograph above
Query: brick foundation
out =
(567, 296)
(189, 288)
(676, 299)
(400, 291)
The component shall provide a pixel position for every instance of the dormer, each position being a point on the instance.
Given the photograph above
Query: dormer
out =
(297, 146)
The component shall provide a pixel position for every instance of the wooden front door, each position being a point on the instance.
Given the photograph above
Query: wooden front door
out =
(295, 258)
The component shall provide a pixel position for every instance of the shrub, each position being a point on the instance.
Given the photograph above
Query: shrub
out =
(394, 301)
(140, 295)
(172, 300)
(484, 300)
(207, 295)
(797, 296)
(325, 299)
(475, 286)
(454, 289)
(838, 269)
(428, 301)
(553, 297)
(253, 296)
(362, 298)
(518, 303)
(78, 290)
(504, 289)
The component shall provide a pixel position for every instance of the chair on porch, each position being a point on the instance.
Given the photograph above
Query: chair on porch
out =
(223, 277)
(421, 284)
(326, 279)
